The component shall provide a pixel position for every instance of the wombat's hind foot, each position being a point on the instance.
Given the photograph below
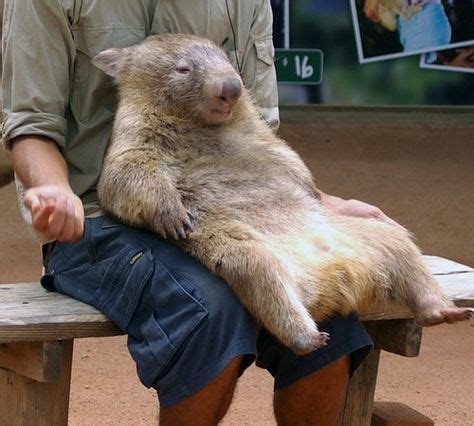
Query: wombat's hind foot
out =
(449, 315)
(309, 342)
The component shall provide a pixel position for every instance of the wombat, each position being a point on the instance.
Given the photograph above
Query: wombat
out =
(390, 10)
(191, 159)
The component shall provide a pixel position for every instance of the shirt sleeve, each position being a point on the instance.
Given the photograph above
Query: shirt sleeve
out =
(266, 90)
(38, 59)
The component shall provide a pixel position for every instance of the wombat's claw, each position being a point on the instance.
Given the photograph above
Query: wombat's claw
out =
(309, 343)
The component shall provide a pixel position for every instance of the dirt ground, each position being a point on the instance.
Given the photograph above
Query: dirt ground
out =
(414, 174)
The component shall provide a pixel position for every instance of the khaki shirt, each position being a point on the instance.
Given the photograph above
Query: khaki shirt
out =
(51, 88)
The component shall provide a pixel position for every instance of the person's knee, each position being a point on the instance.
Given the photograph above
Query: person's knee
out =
(209, 404)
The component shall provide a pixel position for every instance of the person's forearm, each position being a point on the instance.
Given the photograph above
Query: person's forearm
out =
(38, 161)
(56, 212)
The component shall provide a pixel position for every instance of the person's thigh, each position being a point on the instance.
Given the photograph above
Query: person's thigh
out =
(184, 325)
(347, 337)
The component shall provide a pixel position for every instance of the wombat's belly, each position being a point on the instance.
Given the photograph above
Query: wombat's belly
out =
(262, 197)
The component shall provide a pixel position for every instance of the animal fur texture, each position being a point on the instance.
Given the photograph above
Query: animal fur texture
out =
(390, 10)
(191, 160)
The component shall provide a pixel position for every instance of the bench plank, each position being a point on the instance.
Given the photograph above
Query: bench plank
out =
(24, 401)
(30, 313)
(39, 361)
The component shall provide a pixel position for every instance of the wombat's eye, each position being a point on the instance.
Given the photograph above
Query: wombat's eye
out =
(183, 67)
(183, 70)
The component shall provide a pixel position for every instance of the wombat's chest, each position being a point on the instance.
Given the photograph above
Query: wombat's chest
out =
(246, 180)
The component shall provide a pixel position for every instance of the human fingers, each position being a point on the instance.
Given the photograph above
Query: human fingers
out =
(66, 232)
(56, 212)
(58, 218)
(79, 219)
(41, 214)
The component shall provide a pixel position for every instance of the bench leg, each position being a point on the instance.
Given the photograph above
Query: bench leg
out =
(359, 401)
(40, 397)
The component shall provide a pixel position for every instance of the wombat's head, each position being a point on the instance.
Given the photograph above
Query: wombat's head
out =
(183, 75)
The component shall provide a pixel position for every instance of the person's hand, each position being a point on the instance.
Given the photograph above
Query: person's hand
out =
(371, 10)
(56, 212)
(356, 208)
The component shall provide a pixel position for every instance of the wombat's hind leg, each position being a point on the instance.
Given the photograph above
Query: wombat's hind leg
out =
(411, 281)
(262, 284)
(450, 315)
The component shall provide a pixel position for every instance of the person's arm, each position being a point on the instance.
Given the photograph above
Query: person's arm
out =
(265, 90)
(38, 65)
(56, 211)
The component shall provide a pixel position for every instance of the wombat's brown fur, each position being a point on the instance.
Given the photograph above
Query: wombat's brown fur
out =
(191, 159)
(390, 10)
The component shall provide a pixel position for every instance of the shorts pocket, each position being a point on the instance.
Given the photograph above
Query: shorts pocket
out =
(168, 315)
(122, 285)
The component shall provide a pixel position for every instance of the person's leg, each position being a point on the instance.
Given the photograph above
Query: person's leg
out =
(187, 332)
(310, 389)
(316, 398)
(208, 405)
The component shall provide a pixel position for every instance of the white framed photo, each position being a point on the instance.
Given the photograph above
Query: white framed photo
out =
(459, 59)
(387, 29)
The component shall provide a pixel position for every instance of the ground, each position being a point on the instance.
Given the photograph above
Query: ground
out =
(430, 192)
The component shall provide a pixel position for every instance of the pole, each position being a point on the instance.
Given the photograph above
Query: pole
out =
(286, 24)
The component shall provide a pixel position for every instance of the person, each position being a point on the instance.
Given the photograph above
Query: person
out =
(428, 27)
(187, 333)
(459, 58)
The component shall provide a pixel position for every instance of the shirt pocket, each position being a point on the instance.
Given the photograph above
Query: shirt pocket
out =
(92, 89)
(265, 78)
(258, 71)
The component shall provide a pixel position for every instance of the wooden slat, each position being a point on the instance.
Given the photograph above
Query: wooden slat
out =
(27, 402)
(28, 312)
(359, 402)
(399, 336)
(441, 266)
(39, 361)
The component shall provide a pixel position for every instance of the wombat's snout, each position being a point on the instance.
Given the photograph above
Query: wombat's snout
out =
(231, 90)
(221, 94)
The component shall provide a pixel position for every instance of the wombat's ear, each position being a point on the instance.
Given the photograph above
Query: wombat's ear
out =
(111, 61)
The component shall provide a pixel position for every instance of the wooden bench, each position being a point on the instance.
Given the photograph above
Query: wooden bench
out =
(37, 330)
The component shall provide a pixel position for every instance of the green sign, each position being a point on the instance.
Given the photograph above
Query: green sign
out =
(299, 66)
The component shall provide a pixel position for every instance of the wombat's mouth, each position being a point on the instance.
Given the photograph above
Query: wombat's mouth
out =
(218, 115)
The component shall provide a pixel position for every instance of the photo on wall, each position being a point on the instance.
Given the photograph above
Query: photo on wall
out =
(387, 29)
(460, 59)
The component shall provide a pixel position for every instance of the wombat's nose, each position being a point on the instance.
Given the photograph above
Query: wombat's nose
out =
(231, 90)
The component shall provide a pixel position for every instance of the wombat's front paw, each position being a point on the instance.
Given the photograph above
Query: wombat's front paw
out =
(176, 225)
(310, 342)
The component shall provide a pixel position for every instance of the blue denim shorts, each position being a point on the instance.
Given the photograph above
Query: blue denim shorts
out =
(184, 324)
